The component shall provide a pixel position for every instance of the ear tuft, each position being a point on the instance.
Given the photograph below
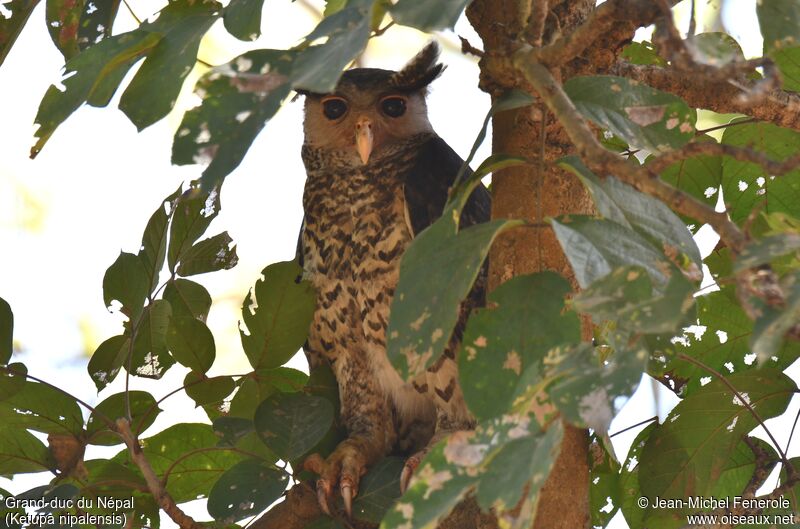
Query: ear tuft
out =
(420, 71)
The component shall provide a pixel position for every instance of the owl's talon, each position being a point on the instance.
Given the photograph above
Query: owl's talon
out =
(322, 497)
(408, 472)
(347, 497)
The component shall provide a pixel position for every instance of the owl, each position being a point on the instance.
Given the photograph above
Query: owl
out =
(377, 175)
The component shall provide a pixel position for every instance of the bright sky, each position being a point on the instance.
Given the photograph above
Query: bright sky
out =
(65, 216)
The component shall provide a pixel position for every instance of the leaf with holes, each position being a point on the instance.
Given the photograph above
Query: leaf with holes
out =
(765, 250)
(605, 483)
(209, 255)
(277, 313)
(686, 455)
(643, 116)
(107, 360)
(154, 89)
(149, 356)
(245, 490)
(746, 185)
(238, 99)
(523, 319)
(194, 211)
(97, 21)
(143, 413)
(292, 423)
(427, 16)
(11, 24)
(6, 331)
(63, 20)
(91, 77)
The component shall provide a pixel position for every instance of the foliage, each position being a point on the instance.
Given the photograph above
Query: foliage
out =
(635, 262)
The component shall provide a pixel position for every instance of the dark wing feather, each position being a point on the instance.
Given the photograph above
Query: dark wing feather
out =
(428, 182)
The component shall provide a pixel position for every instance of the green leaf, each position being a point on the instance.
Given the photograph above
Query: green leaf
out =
(204, 390)
(586, 386)
(278, 325)
(238, 99)
(98, 72)
(629, 480)
(643, 116)
(378, 490)
(292, 423)
(523, 319)
(628, 207)
(21, 452)
(779, 21)
(11, 523)
(11, 25)
(686, 455)
(626, 297)
(747, 186)
(242, 18)
(107, 360)
(699, 176)
(12, 379)
(126, 281)
(191, 343)
(788, 62)
(154, 239)
(187, 299)
(715, 48)
(63, 20)
(97, 22)
(604, 476)
(318, 68)
(113, 479)
(189, 451)
(774, 322)
(42, 408)
(520, 462)
(435, 489)
(143, 413)
(6, 331)
(150, 357)
(155, 87)
(765, 250)
(426, 15)
(209, 255)
(194, 211)
(245, 490)
(231, 429)
(643, 53)
(595, 247)
(436, 273)
(260, 384)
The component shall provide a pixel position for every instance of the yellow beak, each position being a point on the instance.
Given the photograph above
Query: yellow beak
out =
(364, 138)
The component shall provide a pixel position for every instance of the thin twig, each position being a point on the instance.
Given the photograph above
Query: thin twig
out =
(742, 154)
(791, 433)
(725, 126)
(651, 419)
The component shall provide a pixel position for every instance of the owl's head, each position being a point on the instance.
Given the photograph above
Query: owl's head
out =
(371, 109)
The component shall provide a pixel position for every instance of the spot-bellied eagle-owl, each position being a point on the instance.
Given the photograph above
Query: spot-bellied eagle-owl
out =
(377, 175)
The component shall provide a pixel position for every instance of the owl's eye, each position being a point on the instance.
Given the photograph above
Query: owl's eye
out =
(393, 106)
(334, 107)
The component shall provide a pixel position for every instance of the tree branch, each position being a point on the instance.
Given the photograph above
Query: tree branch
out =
(778, 107)
(710, 148)
(604, 162)
(156, 487)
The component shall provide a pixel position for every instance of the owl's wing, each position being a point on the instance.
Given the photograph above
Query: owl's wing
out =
(428, 182)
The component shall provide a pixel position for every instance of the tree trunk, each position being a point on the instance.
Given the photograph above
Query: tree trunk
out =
(535, 192)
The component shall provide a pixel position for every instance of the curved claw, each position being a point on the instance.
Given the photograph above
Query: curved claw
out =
(322, 497)
(405, 478)
(347, 497)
